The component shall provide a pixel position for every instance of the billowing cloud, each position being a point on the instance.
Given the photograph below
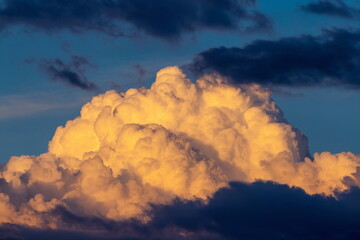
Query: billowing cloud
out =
(331, 59)
(72, 74)
(166, 19)
(129, 152)
(336, 8)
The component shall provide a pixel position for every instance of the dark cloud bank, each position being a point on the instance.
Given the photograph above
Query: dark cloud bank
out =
(166, 19)
(332, 59)
(336, 8)
(262, 210)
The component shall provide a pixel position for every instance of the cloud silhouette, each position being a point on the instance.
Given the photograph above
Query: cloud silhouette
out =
(331, 59)
(72, 74)
(336, 8)
(165, 19)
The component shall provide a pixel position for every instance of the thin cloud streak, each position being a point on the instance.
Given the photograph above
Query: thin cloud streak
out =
(23, 105)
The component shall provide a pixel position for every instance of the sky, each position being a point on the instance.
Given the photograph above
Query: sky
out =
(124, 62)
(263, 101)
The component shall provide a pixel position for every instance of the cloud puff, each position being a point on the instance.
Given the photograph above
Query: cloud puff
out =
(331, 59)
(331, 7)
(73, 73)
(166, 19)
(127, 152)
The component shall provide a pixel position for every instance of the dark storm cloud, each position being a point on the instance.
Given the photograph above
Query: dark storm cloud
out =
(330, 7)
(79, 228)
(73, 73)
(166, 19)
(261, 210)
(266, 211)
(331, 59)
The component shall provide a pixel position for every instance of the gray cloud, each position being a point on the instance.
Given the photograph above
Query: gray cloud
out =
(73, 73)
(336, 8)
(165, 19)
(331, 59)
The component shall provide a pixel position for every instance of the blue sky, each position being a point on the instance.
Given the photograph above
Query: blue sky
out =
(328, 116)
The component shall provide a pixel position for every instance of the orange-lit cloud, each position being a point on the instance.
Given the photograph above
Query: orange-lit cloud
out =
(177, 139)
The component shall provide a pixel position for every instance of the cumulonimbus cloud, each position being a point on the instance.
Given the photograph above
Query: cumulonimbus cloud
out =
(128, 152)
(166, 19)
(331, 59)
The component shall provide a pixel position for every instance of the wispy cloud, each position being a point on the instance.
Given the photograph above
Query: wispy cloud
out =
(72, 74)
(22, 105)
